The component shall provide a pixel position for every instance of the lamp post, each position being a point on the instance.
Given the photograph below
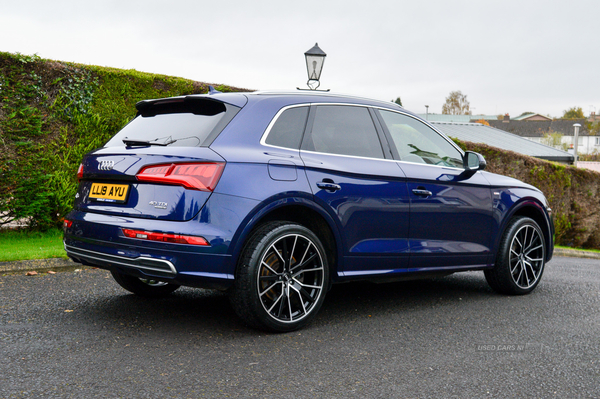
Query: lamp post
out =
(427, 112)
(315, 57)
(575, 142)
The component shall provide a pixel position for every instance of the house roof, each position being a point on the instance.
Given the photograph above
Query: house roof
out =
(478, 133)
(456, 118)
(529, 116)
(526, 128)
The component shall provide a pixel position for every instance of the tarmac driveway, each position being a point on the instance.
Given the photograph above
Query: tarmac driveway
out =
(78, 334)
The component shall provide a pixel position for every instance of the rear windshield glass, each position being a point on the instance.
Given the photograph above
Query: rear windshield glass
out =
(176, 125)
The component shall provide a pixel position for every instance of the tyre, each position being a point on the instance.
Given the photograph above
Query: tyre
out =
(282, 278)
(520, 260)
(144, 287)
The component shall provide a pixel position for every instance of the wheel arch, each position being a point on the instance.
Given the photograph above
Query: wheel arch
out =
(532, 209)
(298, 210)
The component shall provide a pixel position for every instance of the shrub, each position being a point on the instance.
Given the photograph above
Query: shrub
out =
(51, 114)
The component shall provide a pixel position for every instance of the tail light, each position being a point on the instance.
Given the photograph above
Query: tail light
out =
(80, 172)
(202, 176)
(164, 237)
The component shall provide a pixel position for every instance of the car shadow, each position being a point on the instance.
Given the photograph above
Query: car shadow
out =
(199, 311)
(399, 295)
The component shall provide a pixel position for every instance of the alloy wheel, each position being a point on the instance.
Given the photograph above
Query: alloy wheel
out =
(526, 256)
(290, 278)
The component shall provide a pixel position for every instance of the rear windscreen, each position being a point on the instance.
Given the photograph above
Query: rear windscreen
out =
(177, 124)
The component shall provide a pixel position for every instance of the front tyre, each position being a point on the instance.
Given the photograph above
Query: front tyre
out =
(521, 258)
(281, 279)
(144, 287)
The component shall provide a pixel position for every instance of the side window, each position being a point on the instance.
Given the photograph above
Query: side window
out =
(417, 142)
(344, 130)
(288, 128)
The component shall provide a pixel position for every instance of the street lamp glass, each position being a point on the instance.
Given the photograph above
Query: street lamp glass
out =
(315, 57)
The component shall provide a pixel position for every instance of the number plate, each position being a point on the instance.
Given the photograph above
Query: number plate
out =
(109, 192)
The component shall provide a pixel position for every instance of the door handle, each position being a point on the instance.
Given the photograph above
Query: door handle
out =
(329, 186)
(421, 192)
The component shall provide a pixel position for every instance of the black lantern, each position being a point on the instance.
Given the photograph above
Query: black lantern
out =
(315, 57)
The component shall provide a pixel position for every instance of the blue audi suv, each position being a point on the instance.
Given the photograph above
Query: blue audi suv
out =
(273, 197)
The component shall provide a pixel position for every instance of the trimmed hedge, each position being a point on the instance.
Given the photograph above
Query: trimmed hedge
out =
(51, 114)
(573, 193)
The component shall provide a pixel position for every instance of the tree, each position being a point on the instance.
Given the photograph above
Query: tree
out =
(554, 139)
(594, 128)
(456, 104)
(573, 113)
(398, 101)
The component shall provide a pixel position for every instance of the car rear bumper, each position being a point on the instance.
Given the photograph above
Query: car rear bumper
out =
(97, 240)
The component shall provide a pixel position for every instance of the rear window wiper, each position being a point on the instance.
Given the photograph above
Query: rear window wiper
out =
(142, 143)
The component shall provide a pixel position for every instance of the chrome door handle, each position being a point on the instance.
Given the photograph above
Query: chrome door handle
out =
(421, 192)
(329, 186)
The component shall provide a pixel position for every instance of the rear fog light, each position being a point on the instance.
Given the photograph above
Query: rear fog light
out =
(165, 237)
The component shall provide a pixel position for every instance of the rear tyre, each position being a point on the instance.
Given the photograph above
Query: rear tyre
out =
(282, 278)
(147, 288)
(521, 258)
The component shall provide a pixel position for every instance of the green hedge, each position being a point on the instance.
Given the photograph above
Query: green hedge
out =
(51, 114)
(573, 193)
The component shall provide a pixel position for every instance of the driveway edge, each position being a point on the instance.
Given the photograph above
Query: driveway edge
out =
(62, 264)
(576, 253)
(39, 265)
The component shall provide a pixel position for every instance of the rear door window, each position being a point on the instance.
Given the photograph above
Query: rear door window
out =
(344, 130)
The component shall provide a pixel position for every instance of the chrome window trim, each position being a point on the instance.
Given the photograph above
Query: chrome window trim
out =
(346, 156)
(426, 124)
(379, 159)
(300, 151)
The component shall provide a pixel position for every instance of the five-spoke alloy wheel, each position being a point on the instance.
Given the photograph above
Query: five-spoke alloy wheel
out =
(521, 258)
(282, 277)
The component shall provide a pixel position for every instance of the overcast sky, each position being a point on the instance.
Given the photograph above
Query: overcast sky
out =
(506, 56)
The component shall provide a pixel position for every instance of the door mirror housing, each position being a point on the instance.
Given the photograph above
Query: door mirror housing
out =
(473, 161)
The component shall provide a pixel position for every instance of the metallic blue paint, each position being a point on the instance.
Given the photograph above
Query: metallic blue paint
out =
(376, 212)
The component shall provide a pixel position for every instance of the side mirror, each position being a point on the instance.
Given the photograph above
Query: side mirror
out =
(473, 161)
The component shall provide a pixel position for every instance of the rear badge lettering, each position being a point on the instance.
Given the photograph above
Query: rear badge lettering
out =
(158, 205)
(106, 165)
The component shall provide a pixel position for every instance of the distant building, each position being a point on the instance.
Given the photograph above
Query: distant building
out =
(478, 133)
(535, 130)
(532, 117)
(593, 117)
(533, 127)
(456, 118)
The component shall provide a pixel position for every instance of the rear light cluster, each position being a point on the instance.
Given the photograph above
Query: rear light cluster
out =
(165, 237)
(196, 176)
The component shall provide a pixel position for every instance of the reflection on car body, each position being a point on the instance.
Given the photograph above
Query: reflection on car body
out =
(273, 197)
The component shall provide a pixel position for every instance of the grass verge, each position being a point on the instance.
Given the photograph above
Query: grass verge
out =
(24, 245)
(18, 245)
